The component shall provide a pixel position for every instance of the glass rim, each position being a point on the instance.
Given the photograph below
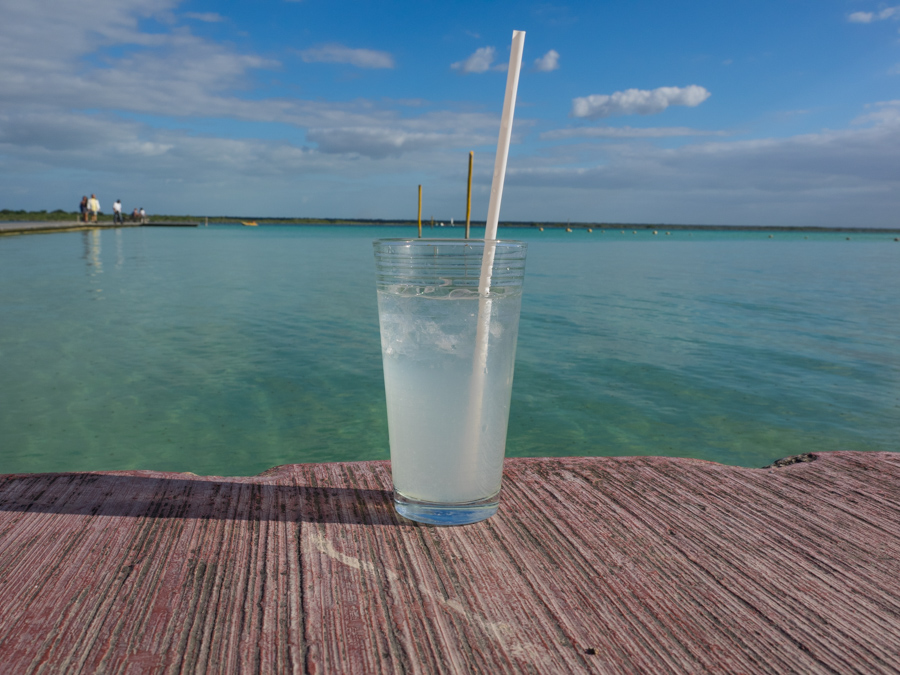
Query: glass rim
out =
(445, 240)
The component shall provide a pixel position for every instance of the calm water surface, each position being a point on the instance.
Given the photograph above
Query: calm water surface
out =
(229, 350)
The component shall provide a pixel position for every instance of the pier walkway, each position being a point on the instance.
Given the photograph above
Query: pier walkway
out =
(605, 565)
(43, 226)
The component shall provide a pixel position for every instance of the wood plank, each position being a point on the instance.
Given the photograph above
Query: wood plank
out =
(613, 565)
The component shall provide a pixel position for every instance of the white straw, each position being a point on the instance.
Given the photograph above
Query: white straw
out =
(479, 365)
(506, 122)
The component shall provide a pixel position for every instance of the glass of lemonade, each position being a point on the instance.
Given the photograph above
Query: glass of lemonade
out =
(447, 417)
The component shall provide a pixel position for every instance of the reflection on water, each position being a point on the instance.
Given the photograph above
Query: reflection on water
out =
(92, 255)
(92, 251)
(120, 255)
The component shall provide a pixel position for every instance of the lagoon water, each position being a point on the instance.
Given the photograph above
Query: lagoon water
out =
(229, 350)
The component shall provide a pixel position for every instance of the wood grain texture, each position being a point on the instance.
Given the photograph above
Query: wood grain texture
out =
(606, 565)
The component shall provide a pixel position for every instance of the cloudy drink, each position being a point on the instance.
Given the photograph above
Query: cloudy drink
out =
(446, 451)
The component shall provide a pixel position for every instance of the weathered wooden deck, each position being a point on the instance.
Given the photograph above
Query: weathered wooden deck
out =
(592, 565)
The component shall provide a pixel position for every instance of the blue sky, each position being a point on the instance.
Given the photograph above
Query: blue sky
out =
(772, 113)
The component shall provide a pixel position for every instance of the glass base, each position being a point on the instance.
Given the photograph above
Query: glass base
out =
(435, 513)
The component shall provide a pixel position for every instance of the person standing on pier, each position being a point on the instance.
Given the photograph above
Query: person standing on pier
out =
(117, 212)
(94, 207)
(84, 208)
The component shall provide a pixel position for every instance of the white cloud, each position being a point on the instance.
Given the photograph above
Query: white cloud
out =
(548, 62)
(883, 112)
(479, 62)
(97, 143)
(45, 32)
(46, 159)
(861, 17)
(624, 132)
(174, 73)
(336, 53)
(870, 17)
(860, 160)
(179, 75)
(207, 17)
(378, 142)
(637, 101)
(849, 177)
(378, 135)
(51, 132)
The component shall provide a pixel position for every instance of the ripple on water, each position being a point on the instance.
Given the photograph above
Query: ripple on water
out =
(231, 350)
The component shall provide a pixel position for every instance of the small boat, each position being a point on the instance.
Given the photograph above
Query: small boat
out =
(251, 223)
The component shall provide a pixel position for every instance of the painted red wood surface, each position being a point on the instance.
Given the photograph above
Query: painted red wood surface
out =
(605, 565)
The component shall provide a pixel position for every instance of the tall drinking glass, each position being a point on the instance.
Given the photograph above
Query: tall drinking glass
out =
(447, 416)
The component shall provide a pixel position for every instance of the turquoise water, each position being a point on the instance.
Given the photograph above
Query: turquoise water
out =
(229, 350)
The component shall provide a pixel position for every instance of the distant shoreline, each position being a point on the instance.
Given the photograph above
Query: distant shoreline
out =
(61, 220)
